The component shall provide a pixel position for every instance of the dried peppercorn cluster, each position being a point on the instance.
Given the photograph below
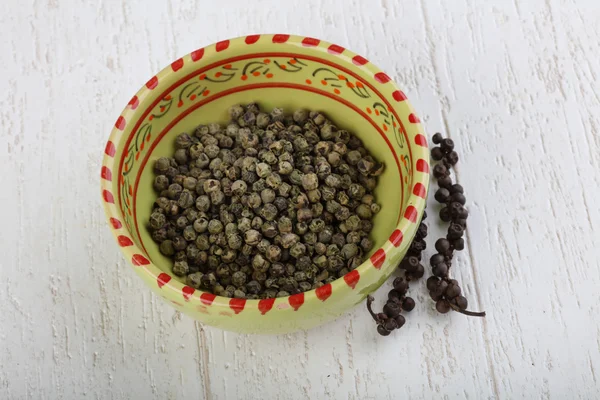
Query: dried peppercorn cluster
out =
(398, 301)
(268, 206)
(444, 291)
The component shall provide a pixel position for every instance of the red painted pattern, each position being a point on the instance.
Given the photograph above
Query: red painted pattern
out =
(139, 260)
(411, 214)
(396, 237)
(280, 38)
(177, 64)
(310, 42)
(296, 301)
(398, 95)
(116, 223)
(124, 241)
(197, 54)
(382, 77)
(152, 83)
(237, 305)
(421, 140)
(352, 278)
(120, 124)
(162, 279)
(110, 149)
(422, 166)
(251, 39)
(265, 305)
(223, 45)
(335, 49)
(413, 119)
(207, 298)
(106, 174)
(419, 190)
(108, 197)
(323, 292)
(378, 258)
(187, 292)
(134, 102)
(359, 60)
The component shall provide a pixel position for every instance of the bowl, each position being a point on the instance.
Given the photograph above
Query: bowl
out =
(274, 70)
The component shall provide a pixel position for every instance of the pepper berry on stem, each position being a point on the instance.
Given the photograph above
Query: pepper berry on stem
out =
(391, 317)
(445, 291)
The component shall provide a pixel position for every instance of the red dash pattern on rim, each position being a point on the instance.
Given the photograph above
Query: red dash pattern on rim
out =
(124, 241)
(280, 38)
(177, 64)
(116, 224)
(378, 258)
(237, 305)
(108, 197)
(352, 278)
(110, 149)
(265, 305)
(422, 166)
(335, 49)
(323, 292)
(419, 190)
(382, 77)
(310, 42)
(411, 214)
(139, 260)
(296, 300)
(152, 83)
(134, 102)
(207, 298)
(162, 279)
(106, 174)
(359, 60)
(197, 54)
(421, 140)
(251, 39)
(413, 119)
(187, 292)
(399, 95)
(223, 45)
(120, 124)
(396, 237)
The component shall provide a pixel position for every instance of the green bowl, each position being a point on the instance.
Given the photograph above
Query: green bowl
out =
(273, 70)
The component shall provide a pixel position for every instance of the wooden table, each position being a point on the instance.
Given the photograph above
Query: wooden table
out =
(514, 83)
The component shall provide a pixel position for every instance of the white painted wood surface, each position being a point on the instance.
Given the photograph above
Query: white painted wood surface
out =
(514, 83)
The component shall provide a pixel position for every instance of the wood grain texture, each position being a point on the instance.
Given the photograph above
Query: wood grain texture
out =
(514, 83)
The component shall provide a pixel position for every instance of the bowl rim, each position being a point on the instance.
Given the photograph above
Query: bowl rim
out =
(410, 214)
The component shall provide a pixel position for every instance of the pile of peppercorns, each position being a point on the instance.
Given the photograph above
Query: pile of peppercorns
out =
(268, 206)
(444, 291)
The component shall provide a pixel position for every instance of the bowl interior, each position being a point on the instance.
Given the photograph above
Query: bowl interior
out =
(388, 192)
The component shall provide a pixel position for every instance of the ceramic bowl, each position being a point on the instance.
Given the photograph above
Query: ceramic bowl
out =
(274, 70)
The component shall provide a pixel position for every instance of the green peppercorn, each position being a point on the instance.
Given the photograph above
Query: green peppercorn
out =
(273, 180)
(297, 250)
(157, 220)
(375, 208)
(252, 237)
(259, 263)
(288, 240)
(181, 268)
(267, 195)
(254, 200)
(269, 212)
(304, 215)
(166, 248)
